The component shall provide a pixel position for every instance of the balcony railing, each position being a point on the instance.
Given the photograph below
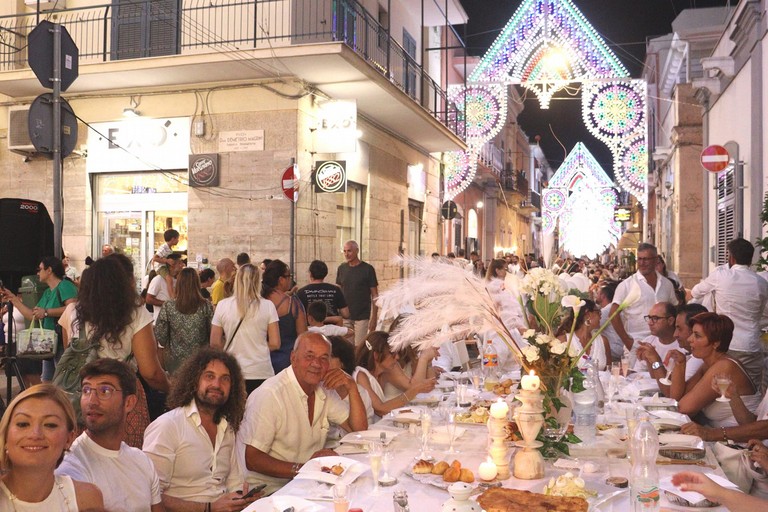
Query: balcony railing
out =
(151, 28)
(514, 181)
(492, 157)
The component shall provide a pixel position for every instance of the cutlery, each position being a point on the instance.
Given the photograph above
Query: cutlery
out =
(674, 462)
(606, 498)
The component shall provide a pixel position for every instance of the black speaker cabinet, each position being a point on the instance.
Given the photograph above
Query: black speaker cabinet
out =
(26, 236)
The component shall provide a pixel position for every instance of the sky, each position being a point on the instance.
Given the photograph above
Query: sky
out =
(625, 25)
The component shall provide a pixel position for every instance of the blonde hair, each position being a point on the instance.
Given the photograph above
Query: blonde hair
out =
(246, 287)
(44, 390)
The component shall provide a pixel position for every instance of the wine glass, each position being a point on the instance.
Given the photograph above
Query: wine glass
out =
(452, 430)
(670, 367)
(426, 426)
(554, 433)
(722, 381)
(375, 451)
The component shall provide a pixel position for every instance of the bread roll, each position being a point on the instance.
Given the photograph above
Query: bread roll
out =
(440, 468)
(451, 474)
(422, 467)
(465, 475)
(456, 464)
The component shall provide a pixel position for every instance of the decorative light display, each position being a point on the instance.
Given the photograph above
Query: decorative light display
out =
(546, 45)
(615, 112)
(485, 107)
(460, 168)
(582, 199)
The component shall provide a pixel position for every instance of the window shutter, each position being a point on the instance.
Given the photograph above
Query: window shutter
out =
(147, 28)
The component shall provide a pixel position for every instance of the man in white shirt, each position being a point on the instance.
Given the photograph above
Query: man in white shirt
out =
(661, 322)
(193, 445)
(157, 292)
(125, 475)
(287, 418)
(317, 312)
(629, 324)
(740, 294)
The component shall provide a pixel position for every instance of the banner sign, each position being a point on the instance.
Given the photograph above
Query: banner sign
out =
(204, 170)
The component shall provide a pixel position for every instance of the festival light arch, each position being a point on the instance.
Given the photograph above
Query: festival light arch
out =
(545, 46)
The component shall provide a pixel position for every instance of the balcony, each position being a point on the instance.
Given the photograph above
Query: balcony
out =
(335, 46)
(514, 181)
(492, 158)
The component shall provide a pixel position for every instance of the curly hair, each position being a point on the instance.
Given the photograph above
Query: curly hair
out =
(107, 299)
(187, 378)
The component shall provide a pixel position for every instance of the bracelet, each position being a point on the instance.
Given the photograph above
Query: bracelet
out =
(725, 437)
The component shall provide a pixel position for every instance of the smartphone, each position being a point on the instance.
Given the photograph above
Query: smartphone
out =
(254, 491)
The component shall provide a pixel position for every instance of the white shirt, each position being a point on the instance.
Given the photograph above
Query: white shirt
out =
(250, 342)
(740, 294)
(126, 477)
(617, 346)
(189, 467)
(632, 316)
(159, 289)
(276, 422)
(329, 330)
(661, 349)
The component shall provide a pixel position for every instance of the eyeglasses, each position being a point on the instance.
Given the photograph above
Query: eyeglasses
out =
(287, 276)
(654, 319)
(102, 392)
(655, 258)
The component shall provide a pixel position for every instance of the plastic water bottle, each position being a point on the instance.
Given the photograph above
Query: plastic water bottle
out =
(585, 408)
(644, 479)
(490, 365)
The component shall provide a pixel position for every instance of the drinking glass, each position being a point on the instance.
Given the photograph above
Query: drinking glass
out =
(625, 365)
(452, 430)
(722, 381)
(340, 498)
(461, 395)
(426, 426)
(616, 369)
(670, 367)
(375, 451)
(476, 375)
(554, 433)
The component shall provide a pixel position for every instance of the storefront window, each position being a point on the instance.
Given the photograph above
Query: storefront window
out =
(133, 210)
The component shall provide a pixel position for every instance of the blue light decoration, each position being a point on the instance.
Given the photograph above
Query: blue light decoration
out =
(582, 199)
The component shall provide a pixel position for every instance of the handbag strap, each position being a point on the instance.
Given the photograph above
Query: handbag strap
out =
(226, 348)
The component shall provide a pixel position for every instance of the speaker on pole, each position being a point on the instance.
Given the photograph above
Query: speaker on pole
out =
(26, 231)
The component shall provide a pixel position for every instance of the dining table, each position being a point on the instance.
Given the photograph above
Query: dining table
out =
(594, 461)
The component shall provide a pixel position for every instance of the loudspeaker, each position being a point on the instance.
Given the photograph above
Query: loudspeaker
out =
(26, 237)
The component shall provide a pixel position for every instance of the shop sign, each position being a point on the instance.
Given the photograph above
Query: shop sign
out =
(622, 214)
(204, 170)
(336, 129)
(140, 144)
(330, 176)
(243, 140)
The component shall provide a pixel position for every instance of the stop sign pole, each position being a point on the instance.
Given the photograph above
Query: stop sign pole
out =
(57, 169)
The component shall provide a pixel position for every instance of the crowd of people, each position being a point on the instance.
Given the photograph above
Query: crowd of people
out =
(219, 397)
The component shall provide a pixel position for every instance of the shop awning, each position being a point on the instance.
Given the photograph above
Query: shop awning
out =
(629, 240)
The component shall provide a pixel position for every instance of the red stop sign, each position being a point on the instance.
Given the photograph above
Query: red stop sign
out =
(715, 158)
(290, 183)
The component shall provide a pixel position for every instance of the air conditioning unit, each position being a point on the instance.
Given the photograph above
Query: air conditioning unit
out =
(46, 5)
(18, 131)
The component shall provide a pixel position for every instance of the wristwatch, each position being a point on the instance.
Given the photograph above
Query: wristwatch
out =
(656, 365)
(45, 313)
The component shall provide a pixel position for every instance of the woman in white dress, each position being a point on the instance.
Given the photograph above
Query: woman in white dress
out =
(374, 359)
(710, 340)
(40, 416)
(587, 321)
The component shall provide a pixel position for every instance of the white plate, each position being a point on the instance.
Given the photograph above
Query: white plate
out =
(367, 436)
(312, 470)
(280, 503)
(426, 399)
(679, 439)
(433, 480)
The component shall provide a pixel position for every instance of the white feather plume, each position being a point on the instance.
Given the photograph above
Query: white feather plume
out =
(446, 303)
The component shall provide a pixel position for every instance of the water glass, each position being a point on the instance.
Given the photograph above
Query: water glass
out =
(461, 395)
(375, 450)
(340, 498)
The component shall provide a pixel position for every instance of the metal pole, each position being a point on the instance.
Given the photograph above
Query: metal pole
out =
(293, 219)
(57, 178)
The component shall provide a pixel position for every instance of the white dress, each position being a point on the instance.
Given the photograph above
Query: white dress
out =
(596, 352)
(61, 499)
(719, 414)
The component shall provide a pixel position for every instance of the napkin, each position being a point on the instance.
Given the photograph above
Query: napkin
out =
(694, 497)
(629, 392)
(440, 434)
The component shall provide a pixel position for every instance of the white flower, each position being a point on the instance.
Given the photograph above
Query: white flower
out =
(633, 295)
(530, 333)
(572, 301)
(531, 353)
(558, 348)
(573, 350)
(542, 339)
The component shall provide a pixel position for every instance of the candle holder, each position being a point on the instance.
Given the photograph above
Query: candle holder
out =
(498, 450)
(529, 464)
